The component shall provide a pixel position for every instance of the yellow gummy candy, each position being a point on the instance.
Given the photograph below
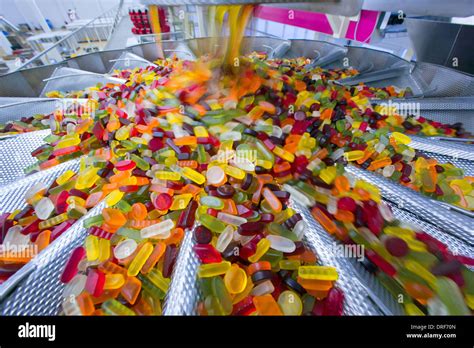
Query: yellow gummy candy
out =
(87, 178)
(412, 309)
(354, 155)
(287, 156)
(56, 220)
(104, 249)
(193, 175)
(262, 247)
(373, 190)
(318, 272)
(416, 268)
(401, 138)
(157, 278)
(68, 141)
(165, 175)
(92, 247)
(114, 197)
(470, 301)
(140, 259)
(264, 164)
(234, 172)
(201, 132)
(464, 185)
(181, 201)
(213, 269)
(328, 174)
(114, 281)
(64, 177)
(399, 231)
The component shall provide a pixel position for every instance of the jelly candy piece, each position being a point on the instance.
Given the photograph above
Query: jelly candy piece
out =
(140, 259)
(235, 279)
(139, 211)
(324, 220)
(166, 175)
(313, 284)
(290, 303)
(125, 248)
(212, 223)
(70, 270)
(451, 296)
(125, 165)
(224, 239)
(346, 203)
(188, 215)
(114, 307)
(328, 174)
(114, 281)
(418, 291)
(250, 228)
(193, 175)
(163, 201)
(113, 217)
(215, 176)
(212, 202)
(157, 278)
(169, 260)
(202, 235)
(213, 269)
(396, 246)
(334, 302)
(44, 208)
(223, 304)
(318, 272)
(272, 200)
(281, 244)
(262, 247)
(354, 155)
(181, 201)
(401, 138)
(95, 282)
(92, 247)
(207, 253)
(85, 303)
(131, 289)
(266, 305)
(157, 253)
(384, 266)
(412, 309)
(160, 230)
(244, 307)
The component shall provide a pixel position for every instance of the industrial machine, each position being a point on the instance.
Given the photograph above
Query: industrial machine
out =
(442, 88)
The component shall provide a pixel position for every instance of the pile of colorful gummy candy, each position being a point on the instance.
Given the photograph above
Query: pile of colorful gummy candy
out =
(42, 121)
(341, 120)
(24, 125)
(174, 147)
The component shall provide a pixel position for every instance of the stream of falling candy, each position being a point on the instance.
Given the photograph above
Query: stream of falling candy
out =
(156, 27)
(238, 19)
(228, 39)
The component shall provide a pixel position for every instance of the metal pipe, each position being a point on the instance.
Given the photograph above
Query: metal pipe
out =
(39, 100)
(10, 24)
(461, 140)
(40, 17)
(82, 74)
(116, 19)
